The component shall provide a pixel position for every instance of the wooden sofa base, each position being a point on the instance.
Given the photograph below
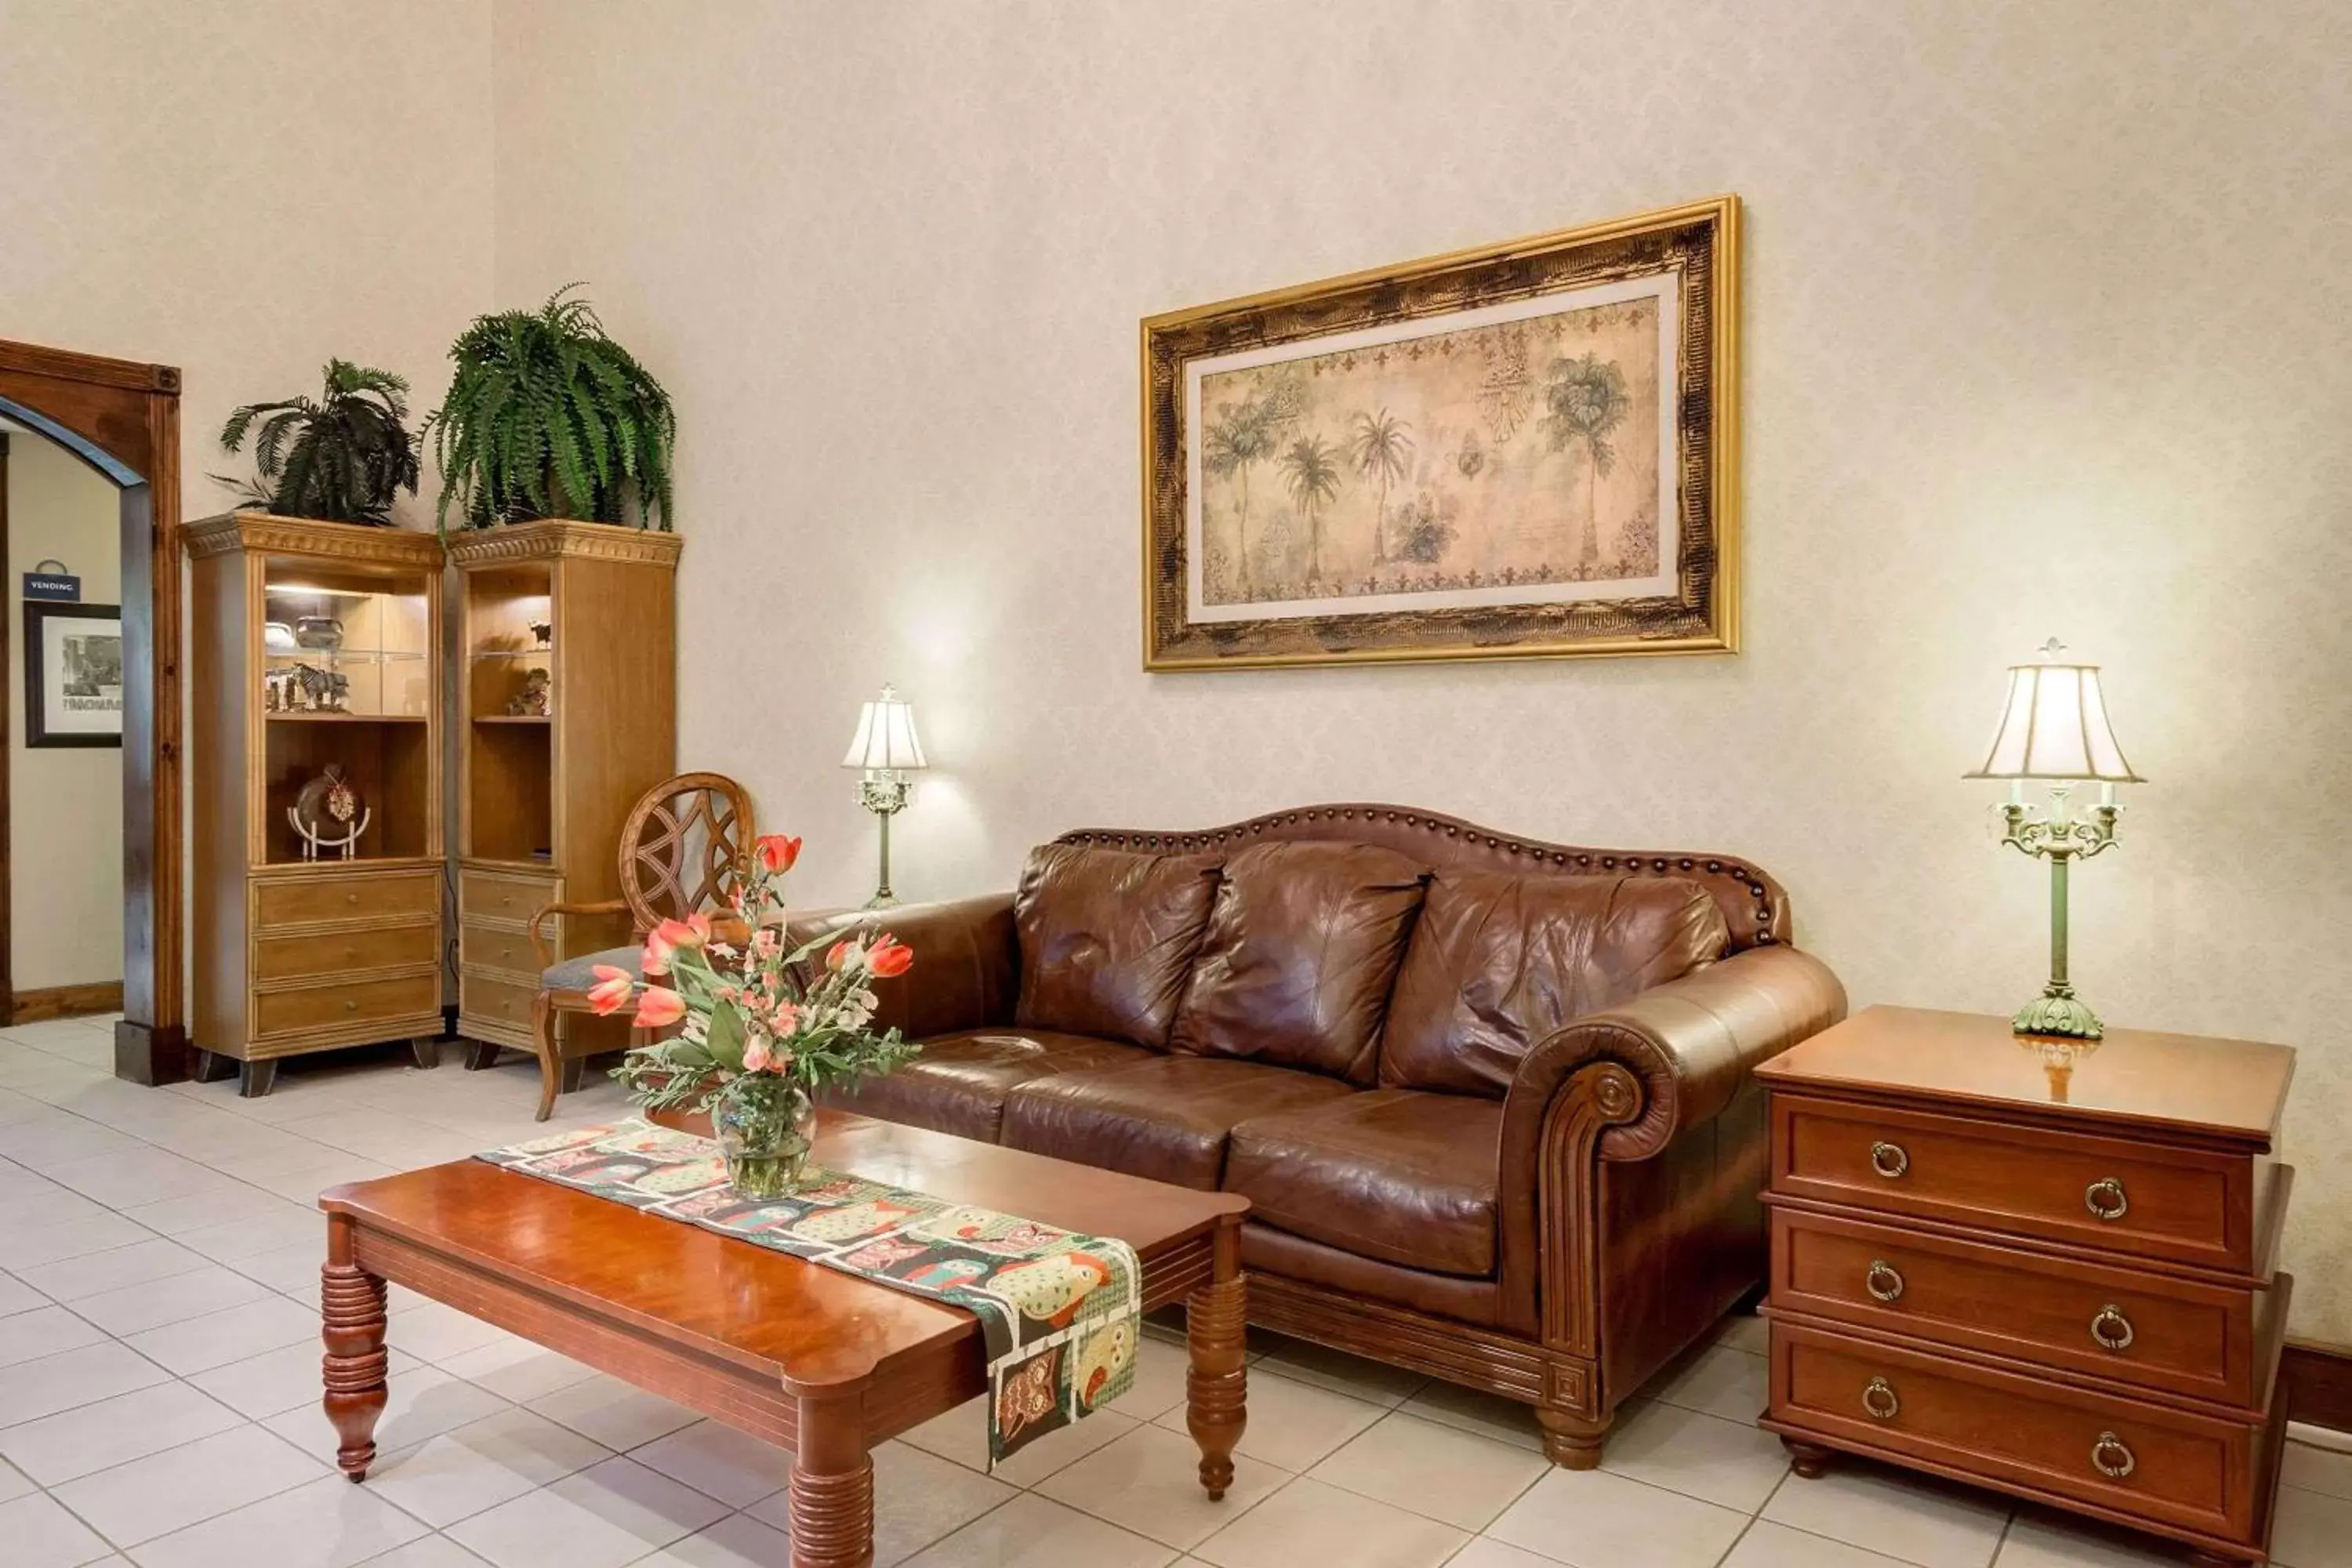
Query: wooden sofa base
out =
(1564, 1388)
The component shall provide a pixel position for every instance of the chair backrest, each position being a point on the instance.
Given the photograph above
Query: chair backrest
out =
(685, 843)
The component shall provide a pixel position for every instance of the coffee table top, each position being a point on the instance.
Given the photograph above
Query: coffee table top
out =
(743, 1303)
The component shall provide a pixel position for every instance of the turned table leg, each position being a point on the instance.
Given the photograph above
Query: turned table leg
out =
(352, 1323)
(1216, 1386)
(832, 1497)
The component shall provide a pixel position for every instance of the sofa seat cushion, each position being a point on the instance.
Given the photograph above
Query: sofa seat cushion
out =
(1268, 1251)
(1108, 938)
(1165, 1118)
(1405, 1177)
(959, 1084)
(1302, 951)
(1499, 961)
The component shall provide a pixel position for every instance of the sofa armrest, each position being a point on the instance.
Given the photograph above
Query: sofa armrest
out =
(1690, 1045)
(966, 968)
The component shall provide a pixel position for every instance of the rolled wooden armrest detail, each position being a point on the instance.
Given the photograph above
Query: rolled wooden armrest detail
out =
(966, 968)
(539, 948)
(1690, 1045)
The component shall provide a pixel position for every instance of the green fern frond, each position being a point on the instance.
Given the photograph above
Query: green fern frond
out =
(546, 417)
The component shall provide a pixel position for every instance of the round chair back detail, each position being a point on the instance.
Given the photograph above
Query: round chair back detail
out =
(686, 842)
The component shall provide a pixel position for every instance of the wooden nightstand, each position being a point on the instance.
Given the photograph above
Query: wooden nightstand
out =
(2042, 1266)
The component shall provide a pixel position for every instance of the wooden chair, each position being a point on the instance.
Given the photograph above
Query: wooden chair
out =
(683, 842)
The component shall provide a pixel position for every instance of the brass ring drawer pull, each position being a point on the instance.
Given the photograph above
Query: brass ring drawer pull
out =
(1879, 1400)
(1889, 1159)
(1882, 1281)
(2111, 1458)
(2112, 1330)
(2105, 1199)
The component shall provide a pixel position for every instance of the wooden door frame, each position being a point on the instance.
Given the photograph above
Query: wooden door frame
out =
(122, 419)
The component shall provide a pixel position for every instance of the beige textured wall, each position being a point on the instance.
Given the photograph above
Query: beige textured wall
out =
(2044, 334)
(65, 803)
(244, 190)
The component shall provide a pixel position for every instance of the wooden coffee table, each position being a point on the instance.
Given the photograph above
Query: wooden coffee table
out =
(819, 1362)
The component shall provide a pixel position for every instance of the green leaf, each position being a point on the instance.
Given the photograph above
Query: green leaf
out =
(726, 1037)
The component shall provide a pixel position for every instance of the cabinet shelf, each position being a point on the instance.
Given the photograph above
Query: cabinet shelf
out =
(342, 654)
(346, 718)
(513, 719)
(547, 652)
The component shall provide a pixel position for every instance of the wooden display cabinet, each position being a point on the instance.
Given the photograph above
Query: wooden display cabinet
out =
(584, 613)
(313, 644)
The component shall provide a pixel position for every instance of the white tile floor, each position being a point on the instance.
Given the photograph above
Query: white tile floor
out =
(159, 1385)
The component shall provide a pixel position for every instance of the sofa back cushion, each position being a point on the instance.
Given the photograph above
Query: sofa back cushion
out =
(1107, 939)
(1300, 957)
(1498, 961)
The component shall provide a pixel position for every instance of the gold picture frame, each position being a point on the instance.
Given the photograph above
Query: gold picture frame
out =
(1523, 450)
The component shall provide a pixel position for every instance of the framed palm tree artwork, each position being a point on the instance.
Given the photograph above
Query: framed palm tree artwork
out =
(1524, 450)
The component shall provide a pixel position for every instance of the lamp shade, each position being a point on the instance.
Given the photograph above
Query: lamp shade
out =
(886, 735)
(2055, 727)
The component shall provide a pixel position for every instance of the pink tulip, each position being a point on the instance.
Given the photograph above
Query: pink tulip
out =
(658, 1007)
(889, 956)
(669, 936)
(837, 955)
(776, 852)
(612, 990)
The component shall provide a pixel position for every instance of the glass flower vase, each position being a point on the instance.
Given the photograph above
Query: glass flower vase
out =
(765, 1126)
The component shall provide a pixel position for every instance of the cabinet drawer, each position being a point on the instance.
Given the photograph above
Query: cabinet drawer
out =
(495, 1000)
(2030, 1435)
(309, 954)
(2179, 1203)
(310, 899)
(504, 896)
(2129, 1325)
(413, 999)
(495, 947)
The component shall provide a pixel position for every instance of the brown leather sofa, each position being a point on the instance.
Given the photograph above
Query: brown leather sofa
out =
(1490, 1099)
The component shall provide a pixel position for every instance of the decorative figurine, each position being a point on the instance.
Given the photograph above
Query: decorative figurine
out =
(328, 815)
(306, 688)
(542, 634)
(533, 700)
(278, 636)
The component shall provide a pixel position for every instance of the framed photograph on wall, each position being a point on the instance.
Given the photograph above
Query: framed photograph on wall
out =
(1530, 449)
(73, 674)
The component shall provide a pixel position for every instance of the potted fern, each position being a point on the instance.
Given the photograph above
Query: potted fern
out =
(341, 457)
(548, 417)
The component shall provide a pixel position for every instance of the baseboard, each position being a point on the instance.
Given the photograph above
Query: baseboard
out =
(66, 1002)
(2317, 1382)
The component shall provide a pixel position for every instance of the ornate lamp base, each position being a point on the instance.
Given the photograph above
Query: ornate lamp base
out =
(2056, 1012)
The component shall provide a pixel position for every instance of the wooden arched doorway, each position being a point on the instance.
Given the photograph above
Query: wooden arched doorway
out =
(123, 418)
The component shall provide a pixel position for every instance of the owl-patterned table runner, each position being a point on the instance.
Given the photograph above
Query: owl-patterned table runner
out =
(1059, 1312)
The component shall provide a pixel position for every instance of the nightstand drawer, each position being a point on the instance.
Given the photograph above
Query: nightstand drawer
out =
(304, 954)
(2043, 1437)
(496, 1000)
(491, 947)
(2106, 1192)
(308, 900)
(2129, 1325)
(503, 896)
(405, 1000)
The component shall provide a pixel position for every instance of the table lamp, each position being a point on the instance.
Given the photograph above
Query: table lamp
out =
(2054, 729)
(886, 750)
